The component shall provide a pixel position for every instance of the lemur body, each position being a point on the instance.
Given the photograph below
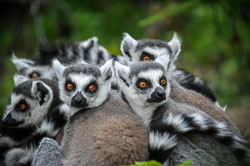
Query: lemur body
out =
(146, 87)
(149, 50)
(36, 109)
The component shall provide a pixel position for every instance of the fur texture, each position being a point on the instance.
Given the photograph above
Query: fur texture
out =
(142, 101)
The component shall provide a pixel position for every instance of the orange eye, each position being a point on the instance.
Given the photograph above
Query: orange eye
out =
(22, 107)
(146, 58)
(143, 84)
(163, 82)
(92, 88)
(70, 86)
(34, 75)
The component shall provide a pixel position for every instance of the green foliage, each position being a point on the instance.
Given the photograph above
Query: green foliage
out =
(215, 36)
(155, 163)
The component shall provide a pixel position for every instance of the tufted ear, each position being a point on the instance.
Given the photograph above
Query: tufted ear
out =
(21, 63)
(175, 45)
(58, 68)
(128, 45)
(122, 73)
(106, 70)
(40, 91)
(18, 79)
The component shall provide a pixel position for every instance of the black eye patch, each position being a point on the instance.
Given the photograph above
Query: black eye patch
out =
(34, 74)
(22, 106)
(67, 83)
(92, 87)
(145, 56)
(163, 81)
(142, 83)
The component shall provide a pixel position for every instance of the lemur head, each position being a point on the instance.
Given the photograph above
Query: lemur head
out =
(83, 86)
(30, 69)
(149, 49)
(31, 100)
(145, 85)
(67, 53)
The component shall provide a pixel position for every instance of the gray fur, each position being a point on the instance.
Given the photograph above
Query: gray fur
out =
(85, 69)
(116, 137)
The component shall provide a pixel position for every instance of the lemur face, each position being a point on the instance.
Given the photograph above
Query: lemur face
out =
(149, 50)
(83, 86)
(144, 83)
(30, 102)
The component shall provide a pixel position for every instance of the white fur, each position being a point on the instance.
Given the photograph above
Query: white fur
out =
(21, 62)
(175, 45)
(18, 79)
(163, 141)
(128, 42)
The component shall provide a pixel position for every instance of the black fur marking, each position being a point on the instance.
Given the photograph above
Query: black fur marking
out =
(200, 87)
(159, 155)
(86, 51)
(128, 54)
(100, 57)
(144, 54)
(24, 89)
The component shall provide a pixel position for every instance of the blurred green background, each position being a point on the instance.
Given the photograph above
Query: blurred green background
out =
(215, 36)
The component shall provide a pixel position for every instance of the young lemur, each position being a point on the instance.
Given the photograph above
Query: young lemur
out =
(149, 49)
(35, 112)
(146, 87)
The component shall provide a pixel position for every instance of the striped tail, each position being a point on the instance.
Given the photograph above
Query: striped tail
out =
(164, 135)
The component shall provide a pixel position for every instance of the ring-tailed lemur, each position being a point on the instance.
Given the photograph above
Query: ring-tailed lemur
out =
(146, 87)
(148, 50)
(83, 86)
(88, 51)
(36, 109)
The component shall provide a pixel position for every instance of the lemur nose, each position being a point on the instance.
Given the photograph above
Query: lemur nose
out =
(9, 121)
(79, 100)
(160, 93)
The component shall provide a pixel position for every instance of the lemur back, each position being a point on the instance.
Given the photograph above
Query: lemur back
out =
(149, 50)
(109, 135)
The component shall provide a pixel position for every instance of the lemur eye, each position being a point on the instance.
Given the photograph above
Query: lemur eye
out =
(163, 81)
(143, 84)
(70, 86)
(34, 75)
(92, 88)
(146, 58)
(22, 107)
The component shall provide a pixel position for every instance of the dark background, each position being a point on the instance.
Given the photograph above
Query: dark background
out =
(215, 37)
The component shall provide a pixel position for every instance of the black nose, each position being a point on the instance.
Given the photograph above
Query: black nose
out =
(158, 95)
(79, 100)
(9, 121)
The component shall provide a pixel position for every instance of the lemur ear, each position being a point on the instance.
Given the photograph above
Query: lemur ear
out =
(58, 67)
(106, 70)
(175, 45)
(122, 72)
(18, 79)
(40, 91)
(128, 45)
(21, 63)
